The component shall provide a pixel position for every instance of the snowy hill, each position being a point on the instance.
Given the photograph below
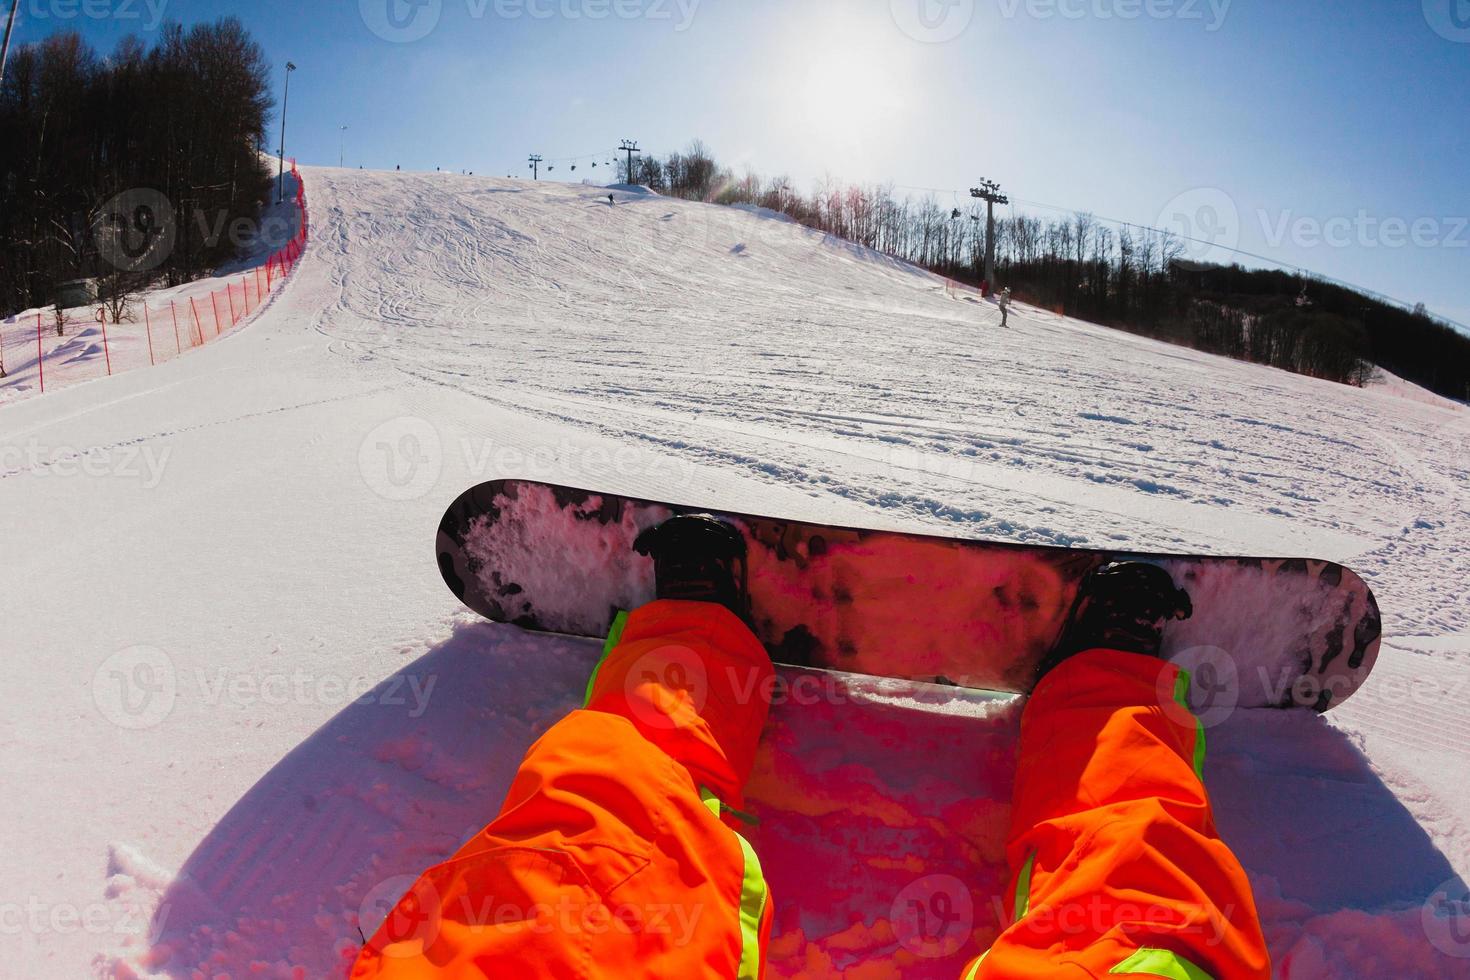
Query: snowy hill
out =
(242, 704)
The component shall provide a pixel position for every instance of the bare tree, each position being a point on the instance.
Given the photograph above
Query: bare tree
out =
(116, 291)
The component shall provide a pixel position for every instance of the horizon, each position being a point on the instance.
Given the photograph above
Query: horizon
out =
(1365, 190)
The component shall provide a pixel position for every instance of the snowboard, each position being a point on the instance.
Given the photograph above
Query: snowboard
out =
(1279, 632)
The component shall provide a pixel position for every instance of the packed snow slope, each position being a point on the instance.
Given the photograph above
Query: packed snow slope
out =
(241, 706)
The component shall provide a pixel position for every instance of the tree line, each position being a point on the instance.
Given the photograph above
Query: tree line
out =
(129, 168)
(1133, 278)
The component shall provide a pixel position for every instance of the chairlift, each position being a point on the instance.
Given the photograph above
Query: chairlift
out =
(955, 216)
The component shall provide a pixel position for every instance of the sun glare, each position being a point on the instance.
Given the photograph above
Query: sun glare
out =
(846, 92)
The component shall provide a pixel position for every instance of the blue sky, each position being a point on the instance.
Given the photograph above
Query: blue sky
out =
(1331, 136)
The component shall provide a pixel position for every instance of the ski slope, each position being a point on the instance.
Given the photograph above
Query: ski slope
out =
(243, 707)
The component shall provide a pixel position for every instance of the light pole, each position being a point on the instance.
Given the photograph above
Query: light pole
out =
(342, 153)
(281, 176)
(9, 26)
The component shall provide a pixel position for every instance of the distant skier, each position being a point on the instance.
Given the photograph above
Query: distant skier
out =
(632, 805)
(612, 200)
(1005, 307)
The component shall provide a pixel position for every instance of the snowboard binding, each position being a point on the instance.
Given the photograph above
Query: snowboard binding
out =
(1121, 606)
(699, 559)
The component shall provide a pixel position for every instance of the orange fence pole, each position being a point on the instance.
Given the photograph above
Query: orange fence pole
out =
(148, 326)
(215, 303)
(107, 354)
(40, 357)
(198, 323)
(174, 311)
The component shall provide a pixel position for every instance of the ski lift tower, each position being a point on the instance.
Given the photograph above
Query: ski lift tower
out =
(630, 147)
(989, 192)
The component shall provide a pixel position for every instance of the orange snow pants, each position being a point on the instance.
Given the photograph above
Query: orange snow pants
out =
(1116, 867)
(615, 854)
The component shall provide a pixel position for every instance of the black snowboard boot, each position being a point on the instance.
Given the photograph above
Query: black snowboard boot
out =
(698, 558)
(1121, 606)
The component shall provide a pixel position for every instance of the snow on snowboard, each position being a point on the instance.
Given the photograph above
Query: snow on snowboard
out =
(979, 614)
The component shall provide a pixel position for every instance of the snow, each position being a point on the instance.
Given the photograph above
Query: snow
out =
(242, 706)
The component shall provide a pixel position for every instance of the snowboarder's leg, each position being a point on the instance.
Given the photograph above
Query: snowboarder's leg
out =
(614, 853)
(1116, 864)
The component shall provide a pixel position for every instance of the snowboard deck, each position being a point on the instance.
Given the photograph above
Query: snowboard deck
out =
(1279, 632)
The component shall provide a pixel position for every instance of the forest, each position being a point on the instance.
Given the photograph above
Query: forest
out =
(133, 168)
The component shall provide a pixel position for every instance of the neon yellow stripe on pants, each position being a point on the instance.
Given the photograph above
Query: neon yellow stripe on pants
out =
(753, 897)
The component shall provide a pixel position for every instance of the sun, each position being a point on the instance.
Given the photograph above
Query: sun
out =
(846, 92)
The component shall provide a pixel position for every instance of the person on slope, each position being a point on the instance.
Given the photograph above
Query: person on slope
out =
(618, 853)
(1005, 307)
